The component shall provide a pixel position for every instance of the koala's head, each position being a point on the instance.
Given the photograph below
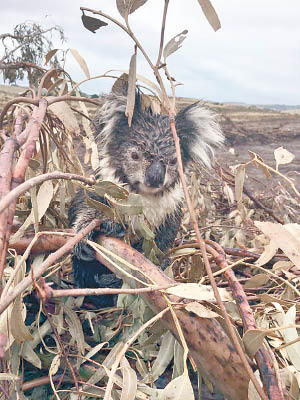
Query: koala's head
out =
(143, 155)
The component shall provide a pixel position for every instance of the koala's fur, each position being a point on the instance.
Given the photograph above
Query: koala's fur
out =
(142, 157)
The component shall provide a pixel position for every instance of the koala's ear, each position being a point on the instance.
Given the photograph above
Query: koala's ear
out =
(110, 114)
(199, 133)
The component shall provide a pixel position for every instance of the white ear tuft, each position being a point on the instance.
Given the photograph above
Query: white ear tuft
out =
(199, 133)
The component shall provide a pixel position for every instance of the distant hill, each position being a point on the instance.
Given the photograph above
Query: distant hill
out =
(279, 107)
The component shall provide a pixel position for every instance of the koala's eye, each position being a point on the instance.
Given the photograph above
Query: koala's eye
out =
(134, 155)
(173, 162)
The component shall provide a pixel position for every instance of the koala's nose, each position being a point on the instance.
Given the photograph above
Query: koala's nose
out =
(155, 174)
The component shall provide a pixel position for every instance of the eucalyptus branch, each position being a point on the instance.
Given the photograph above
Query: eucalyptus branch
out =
(30, 183)
(89, 79)
(128, 30)
(162, 34)
(16, 101)
(172, 88)
(36, 101)
(49, 292)
(51, 259)
(15, 65)
(290, 182)
(125, 28)
(6, 35)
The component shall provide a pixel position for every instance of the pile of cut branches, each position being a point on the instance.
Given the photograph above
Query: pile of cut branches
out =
(226, 306)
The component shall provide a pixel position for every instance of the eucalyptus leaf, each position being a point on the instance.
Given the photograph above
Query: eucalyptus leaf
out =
(81, 61)
(253, 339)
(210, 14)
(126, 7)
(131, 89)
(239, 182)
(92, 23)
(145, 230)
(107, 211)
(110, 188)
(174, 44)
(131, 206)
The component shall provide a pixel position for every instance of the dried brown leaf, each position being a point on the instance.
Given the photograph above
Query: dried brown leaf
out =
(174, 44)
(283, 156)
(239, 182)
(263, 167)
(63, 111)
(131, 89)
(257, 281)
(196, 291)
(49, 55)
(288, 242)
(268, 253)
(126, 7)
(91, 23)
(253, 339)
(291, 334)
(210, 14)
(129, 381)
(178, 389)
(18, 328)
(81, 62)
(200, 310)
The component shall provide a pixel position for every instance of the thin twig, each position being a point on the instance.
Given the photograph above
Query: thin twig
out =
(102, 291)
(51, 259)
(30, 183)
(162, 34)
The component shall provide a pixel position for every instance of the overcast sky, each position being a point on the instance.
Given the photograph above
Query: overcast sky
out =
(253, 58)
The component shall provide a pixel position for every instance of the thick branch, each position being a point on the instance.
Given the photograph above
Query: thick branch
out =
(209, 346)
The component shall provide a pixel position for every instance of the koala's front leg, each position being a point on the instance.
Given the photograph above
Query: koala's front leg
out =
(166, 233)
(88, 272)
(81, 214)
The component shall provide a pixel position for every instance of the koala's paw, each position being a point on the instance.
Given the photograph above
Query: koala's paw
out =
(110, 228)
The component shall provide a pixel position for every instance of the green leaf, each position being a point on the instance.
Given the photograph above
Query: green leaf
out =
(106, 187)
(107, 211)
(145, 230)
(133, 205)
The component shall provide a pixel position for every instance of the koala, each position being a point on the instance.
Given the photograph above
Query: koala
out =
(142, 158)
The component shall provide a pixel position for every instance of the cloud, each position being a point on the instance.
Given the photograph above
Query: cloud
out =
(255, 57)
